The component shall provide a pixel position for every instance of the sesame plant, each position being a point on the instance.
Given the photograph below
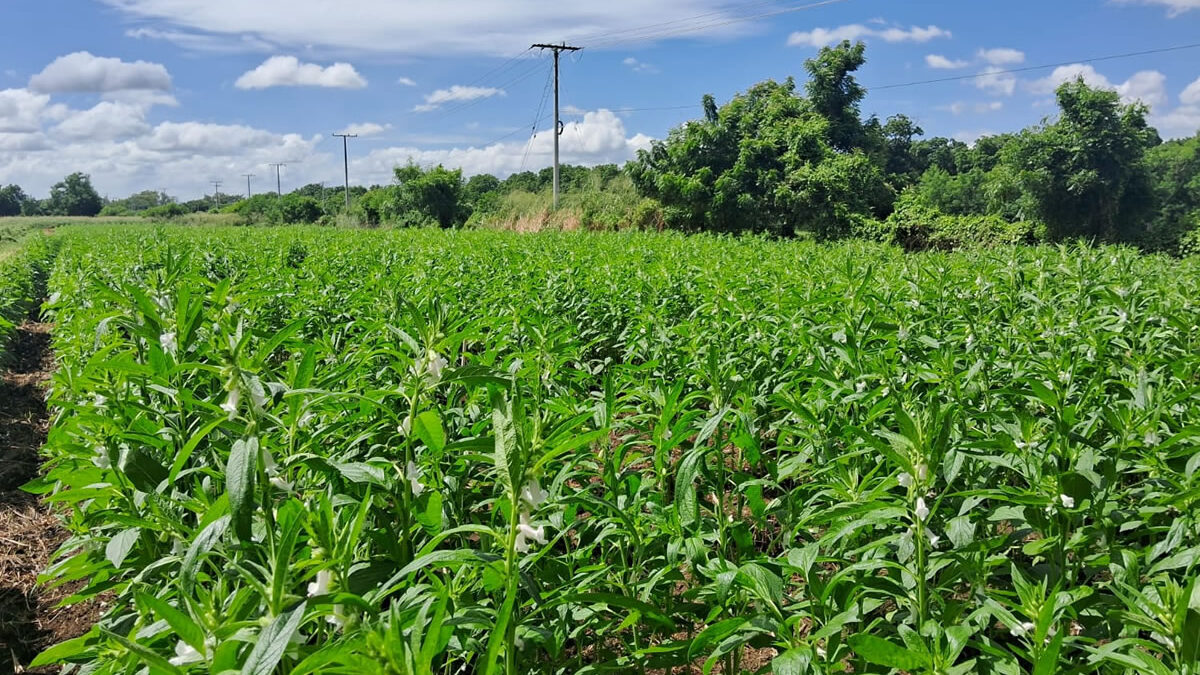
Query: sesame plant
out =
(314, 451)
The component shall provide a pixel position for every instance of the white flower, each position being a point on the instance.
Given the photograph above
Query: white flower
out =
(526, 532)
(1021, 629)
(230, 406)
(1151, 439)
(338, 618)
(99, 401)
(933, 538)
(914, 303)
(533, 494)
(413, 474)
(922, 471)
(922, 511)
(54, 298)
(281, 484)
(1067, 501)
(405, 427)
(905, 479)
(860, 387)
(101, 459)
(321, 585)
(434, 363)
(840, 337)
(184, 654)
(167, 340)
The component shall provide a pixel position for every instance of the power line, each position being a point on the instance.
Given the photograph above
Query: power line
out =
(1026, 69)
(537, 118)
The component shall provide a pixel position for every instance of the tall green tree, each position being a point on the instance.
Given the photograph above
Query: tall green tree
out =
(435, 194)
(12, 198)
(835, 95)
(74, 196)
(1175, 173)
(1086, 172)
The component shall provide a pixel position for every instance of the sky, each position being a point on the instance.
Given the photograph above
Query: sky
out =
(174, 94)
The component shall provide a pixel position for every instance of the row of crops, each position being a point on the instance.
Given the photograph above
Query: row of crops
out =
(301, 450)
(22, 279)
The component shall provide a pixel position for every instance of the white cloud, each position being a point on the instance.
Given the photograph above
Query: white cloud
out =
(824, 37)
(942, 63)
(22, 111)
(457, 93)
(996, 82)
(1191, 95)
(108, 120)
(407, 81)
(960, 107)
(1002, 56)
(83, 72)
(416, 28)
(366, 129)
(970, 136)
(639, 66)
(1147, 86)
(288, 71)
(599, 138)
(1174, 7)
(203, 43)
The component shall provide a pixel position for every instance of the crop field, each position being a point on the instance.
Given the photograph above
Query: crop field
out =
(314, 451)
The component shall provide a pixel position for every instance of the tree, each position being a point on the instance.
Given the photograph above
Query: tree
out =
(1174, 170)
(75, 196)
(763, 164)
(836, 95)
(435, 193)
(1086, 172)
(12, 199)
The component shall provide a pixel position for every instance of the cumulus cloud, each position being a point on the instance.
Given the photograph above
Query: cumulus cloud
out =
(407, 81)
(416, 28)
(288, 71)
(365, 129)
(22, 111)
(1002, 56)
(457, 94)
(83, 72)
(1183, 121)
(824, 37)
(1174, 7)
(995, 81)
(1147, 86)
(1191, 94)
(942, 63)
(108, 120)
(639, 66)
(961, 107)
(599, 138)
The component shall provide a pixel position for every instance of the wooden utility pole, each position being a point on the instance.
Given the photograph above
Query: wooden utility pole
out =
(248, 176)
(216, 192)
(278, 184)
(558, 125)
(346, 161)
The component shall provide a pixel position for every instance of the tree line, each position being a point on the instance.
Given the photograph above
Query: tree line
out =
(792, 160)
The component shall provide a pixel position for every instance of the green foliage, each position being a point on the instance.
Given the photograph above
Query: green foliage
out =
(1175, 170)
(1085, 173)
(74, 196)
(834, 94)
(171, 210)
(765, 164)
(12, 200)
(918, 227)
(434, 194)
(295, 209)
(308, 450)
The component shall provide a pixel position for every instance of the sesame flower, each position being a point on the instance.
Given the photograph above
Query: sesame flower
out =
(185, 654)
(1067, 501)
(1021, 629)
(526, 532)
(434, 363)
(533, 494)
(230, 406)
(321, 585)
(905, 479)
(169, 345)
(413, 474)
(922, 511)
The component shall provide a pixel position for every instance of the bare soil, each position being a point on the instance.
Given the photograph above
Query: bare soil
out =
(30, 620)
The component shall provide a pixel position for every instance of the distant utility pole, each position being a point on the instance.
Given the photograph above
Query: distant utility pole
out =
(558, 125)
(216, 192)
(346, 161)
(278, 184)
(248, 176)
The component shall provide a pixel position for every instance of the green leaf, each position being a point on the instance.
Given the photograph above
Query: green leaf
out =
(142, 470)
(120, 545)
(241, 474)
(792, 662)
(182, 624)
(65, 651)
(883, 653)
(428, 428)
(200, 546)
(273, 642)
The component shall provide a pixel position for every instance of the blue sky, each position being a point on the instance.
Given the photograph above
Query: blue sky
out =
(149, 94)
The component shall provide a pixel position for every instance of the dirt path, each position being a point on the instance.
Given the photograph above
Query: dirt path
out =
(29, 533)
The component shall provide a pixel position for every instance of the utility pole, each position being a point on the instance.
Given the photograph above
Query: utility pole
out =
(216, 192)
(346, 161)
(278, 185)
(558, 125)
(248, 176)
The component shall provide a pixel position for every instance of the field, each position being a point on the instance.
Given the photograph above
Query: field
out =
(304, 450)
